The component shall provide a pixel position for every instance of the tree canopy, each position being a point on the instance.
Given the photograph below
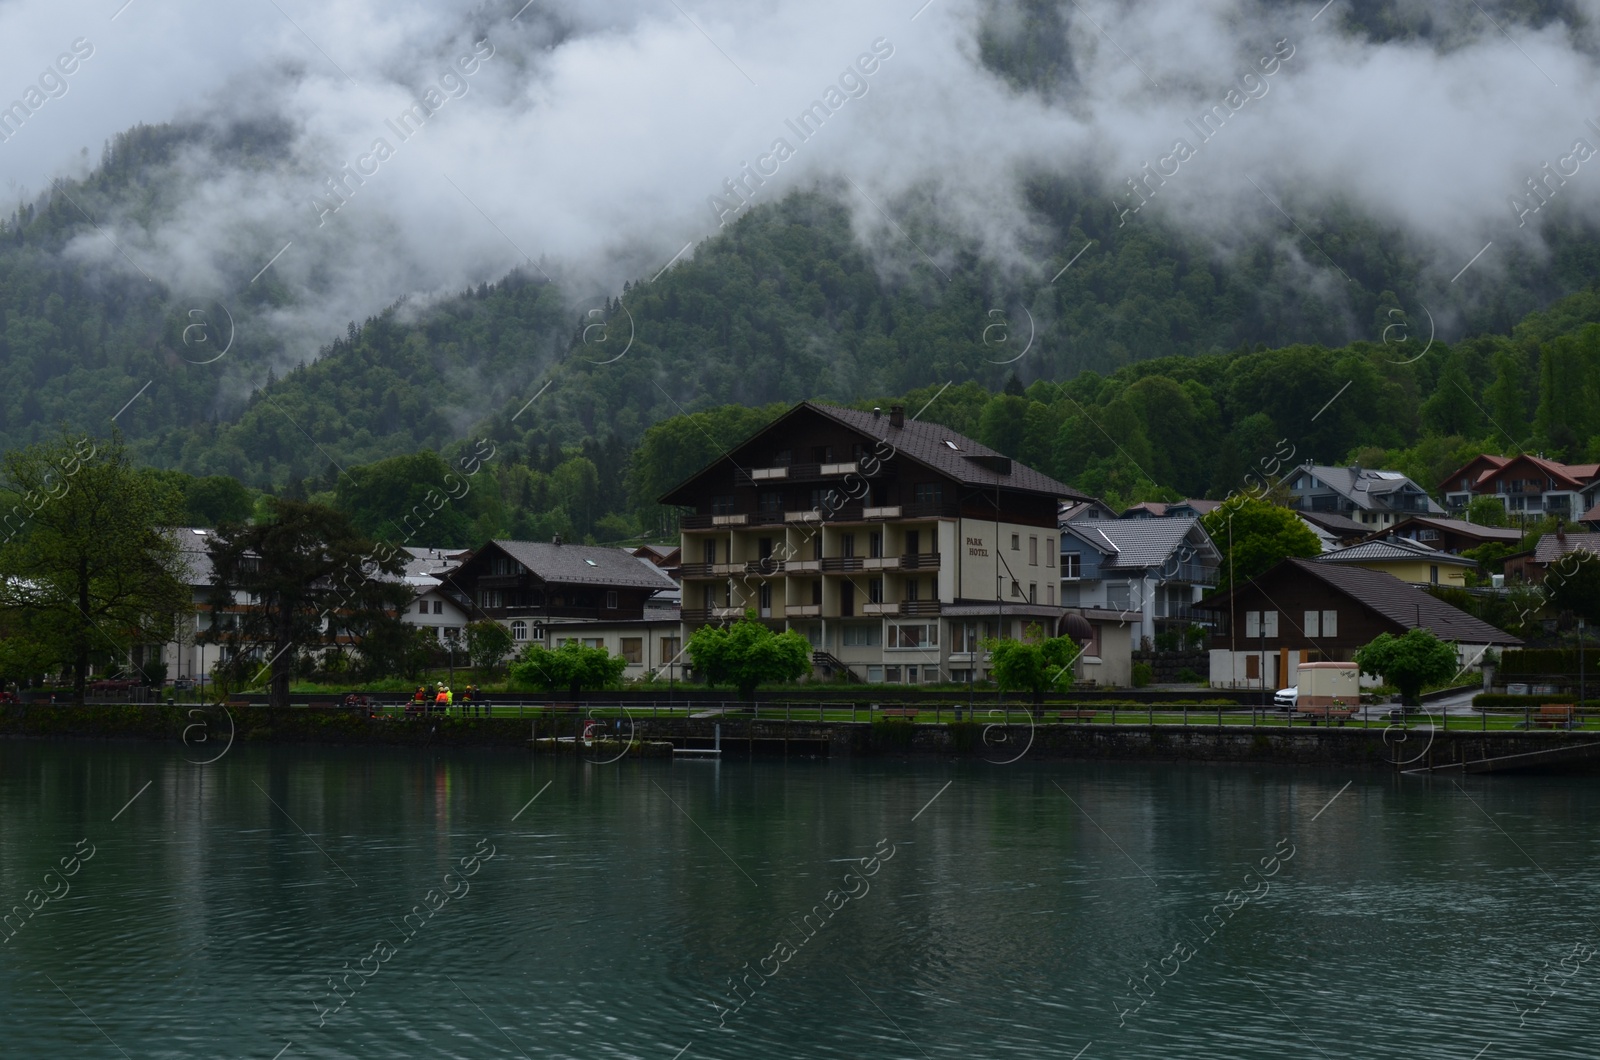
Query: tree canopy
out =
(746, 654)
(1410, 662)
(1036, 666)
(571, 668)
(1253, 535)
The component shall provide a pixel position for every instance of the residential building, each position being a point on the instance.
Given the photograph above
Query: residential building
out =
(438, 606)
(1408, 560)
(1531, 486)
(1449, 535)
(1084, 509)
(1303, 610)
(1551, 550)
(1152, 569)
(549, 593)
(894, 546)
(1461, 485)
(1375, 499)
(1159, 510)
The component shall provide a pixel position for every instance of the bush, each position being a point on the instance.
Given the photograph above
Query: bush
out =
(1547, 661)
(1167, 641)
(1142, 674)
(1188, 676)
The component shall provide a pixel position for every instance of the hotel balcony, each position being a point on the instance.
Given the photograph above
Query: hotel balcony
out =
(880, 609)
(920, 561)
(769, 566)
(698, 570)
(842, 564)
(887, 511)
(803, 611)
(711, 614)
(881, 563)
(802, 566)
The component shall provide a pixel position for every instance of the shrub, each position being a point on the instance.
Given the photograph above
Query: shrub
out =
(1188, 676)
(1142, 674)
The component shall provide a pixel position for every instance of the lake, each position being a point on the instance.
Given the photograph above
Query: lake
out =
(295, 902)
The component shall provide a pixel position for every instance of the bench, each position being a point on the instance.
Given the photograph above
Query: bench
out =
(1554, 716)
(1327, 714)
(1078, 715)
(898, 712)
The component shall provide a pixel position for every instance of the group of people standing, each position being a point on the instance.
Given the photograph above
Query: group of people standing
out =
(443, 697)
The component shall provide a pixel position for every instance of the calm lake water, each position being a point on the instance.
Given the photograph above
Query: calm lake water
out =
(1000, 911)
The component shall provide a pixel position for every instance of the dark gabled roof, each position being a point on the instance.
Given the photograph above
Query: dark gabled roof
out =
(1494, 461)
(1591, 517)
(585, 565)
(194, 553)
(1572, 476)
(1455, 526)
(1337, 525)
(929, 444)
(1361, 485)
(1401, 548)
(1406, 606)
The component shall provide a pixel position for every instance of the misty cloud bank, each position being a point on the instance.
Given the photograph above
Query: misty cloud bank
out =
(594, 144)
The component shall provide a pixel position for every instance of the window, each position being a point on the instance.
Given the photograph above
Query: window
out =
(1330, 623)
(519, 630)
(816, 548)
(875, 590)
(1016, 590)
(764, 599)
(670, 646)
(593, 642)
(1033, 551)
(822, 454)
(1118, 597)
(708, 550)
(1269, 623)
(722, 504)
(438, 607)
(847, 545)
(913, 542)
(1016, 542)
(1050, 595)
(1050, 552)
(633, 649)
(710, 596)
(769, 502)
(861, 636)
(875, 544)
(1252, 667)
(422, 607)
(911, 588)
(963, 638)
(538, 631)
(891, 674)
(488, 598)
(874, 675)
(913, 635)
(1092, 649)
(1433, 573)
(929, 493)
(1313, 626)
(1071, 566)
(782, 458)
(1033, 592)
(1252, 623)
(611, 598)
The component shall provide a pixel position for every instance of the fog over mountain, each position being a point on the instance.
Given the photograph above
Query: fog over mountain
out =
(598, 141)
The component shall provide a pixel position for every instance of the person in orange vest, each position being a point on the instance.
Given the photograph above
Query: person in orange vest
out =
(441, 699)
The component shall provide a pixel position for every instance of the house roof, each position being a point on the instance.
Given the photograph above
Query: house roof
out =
(431, 561)
(1592, 516)
(1551, 547)
(1455, 526)
(1567, 476)
(1404, 605)
(1161, 510)
(933, 445)
(1337, 525)
(1087, 509)
(1399, 548)
(1135, 544)
(585, 565)
(1363, 486)
(1493, 462)
(194, 552)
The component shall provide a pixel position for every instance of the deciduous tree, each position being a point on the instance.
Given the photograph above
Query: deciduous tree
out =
(1409, 662)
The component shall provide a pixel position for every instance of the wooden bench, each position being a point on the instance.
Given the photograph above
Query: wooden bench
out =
(1078, 715)
(1554, 716)
(1327, 714)
(898, 712)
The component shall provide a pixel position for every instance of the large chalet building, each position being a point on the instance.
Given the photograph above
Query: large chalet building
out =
(894, 546)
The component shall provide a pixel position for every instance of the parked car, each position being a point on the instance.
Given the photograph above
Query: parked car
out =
(1286, 698)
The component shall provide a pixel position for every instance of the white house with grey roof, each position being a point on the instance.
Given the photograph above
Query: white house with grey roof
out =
(1154, 570)
(1375, 499)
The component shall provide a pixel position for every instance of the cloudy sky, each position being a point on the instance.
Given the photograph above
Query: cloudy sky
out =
(594, 137)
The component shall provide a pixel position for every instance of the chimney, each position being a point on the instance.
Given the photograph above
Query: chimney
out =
(556, 540)
(1561, 531)
(877, 412)
(897, 415)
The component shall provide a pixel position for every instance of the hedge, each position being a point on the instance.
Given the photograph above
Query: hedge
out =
(1547, 661)
(1501, 701)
